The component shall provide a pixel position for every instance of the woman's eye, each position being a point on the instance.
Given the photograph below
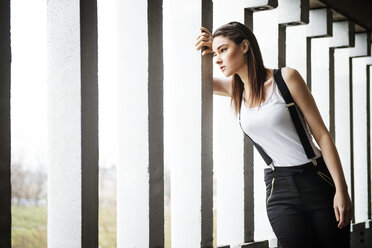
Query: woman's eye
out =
(223, 49)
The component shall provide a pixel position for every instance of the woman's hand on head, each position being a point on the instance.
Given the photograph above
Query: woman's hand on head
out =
(204, 40)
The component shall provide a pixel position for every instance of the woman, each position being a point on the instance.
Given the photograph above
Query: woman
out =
(308, 204)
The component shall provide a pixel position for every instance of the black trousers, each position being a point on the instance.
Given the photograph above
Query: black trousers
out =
(299, 203)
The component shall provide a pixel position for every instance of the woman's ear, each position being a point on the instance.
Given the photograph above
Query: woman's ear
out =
(245, 46)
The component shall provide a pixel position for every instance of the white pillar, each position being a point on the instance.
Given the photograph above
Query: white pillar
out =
(64, 125)
(320, 26)
(296, 49)
(342, 112)
(72, 124)
(359, 84)
(133, 147)
(342, 93)
(320, 77)
(343, 78)
(267, 38)
(191, 136)
(140, 184)
(228, 147)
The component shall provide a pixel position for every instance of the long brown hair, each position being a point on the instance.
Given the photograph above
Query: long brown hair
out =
(237, 32)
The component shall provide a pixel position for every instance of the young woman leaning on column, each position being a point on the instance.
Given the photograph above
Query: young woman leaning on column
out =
(307, 199)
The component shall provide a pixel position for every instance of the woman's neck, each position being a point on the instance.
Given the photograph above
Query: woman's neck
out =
(243, 74)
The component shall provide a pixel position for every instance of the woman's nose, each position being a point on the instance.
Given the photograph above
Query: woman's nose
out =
(218, 60)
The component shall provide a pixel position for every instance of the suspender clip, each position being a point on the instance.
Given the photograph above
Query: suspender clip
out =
(272, 166)
(314, 161)
(290, 104)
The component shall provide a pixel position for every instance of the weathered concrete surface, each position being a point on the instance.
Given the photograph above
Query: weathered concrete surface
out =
(72, 124)
(5, 188)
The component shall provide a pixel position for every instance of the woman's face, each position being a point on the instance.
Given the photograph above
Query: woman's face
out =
(228, 55)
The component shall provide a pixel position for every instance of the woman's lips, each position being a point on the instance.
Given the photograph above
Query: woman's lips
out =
(222, 68)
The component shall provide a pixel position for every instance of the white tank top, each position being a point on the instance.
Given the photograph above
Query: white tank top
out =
(271, 126)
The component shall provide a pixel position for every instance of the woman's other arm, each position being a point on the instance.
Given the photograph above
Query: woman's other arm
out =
(305, 101)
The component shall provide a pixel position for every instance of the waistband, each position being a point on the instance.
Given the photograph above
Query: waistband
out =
(297, 169)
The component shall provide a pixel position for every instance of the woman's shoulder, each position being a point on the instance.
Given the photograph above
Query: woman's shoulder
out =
(296, 84)
(289, 73)
(293, 79)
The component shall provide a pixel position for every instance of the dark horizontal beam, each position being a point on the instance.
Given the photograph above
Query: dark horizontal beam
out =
(357, 11)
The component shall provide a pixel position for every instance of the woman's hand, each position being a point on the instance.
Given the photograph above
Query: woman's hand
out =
(343, 208)
(204, 40)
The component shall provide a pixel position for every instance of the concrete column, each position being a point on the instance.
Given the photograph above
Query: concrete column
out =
(191, 138)
(369, 150)
(359, 84)
(5, 189)
(293, 17)
(72, 124)
(252, 6)
(207, 136)
(257, 226)
(362, 231)
(89, 122)
(296, 41)
(343, 36)
(322, 49)
(249, 200)
(320, 25)
(267, 37)
(344, 80)
(290, 13)
(140, 184)
(362, 48)
(299, 57)
(293, 12)
(228, 148)
(343, 113)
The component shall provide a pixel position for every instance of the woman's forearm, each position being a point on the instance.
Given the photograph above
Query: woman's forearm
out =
(332, 160)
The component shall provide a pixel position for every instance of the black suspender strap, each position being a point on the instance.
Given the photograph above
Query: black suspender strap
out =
(294, 112)
(265, 157)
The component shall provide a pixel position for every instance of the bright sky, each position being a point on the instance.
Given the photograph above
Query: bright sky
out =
(28, 89)
(28, 98)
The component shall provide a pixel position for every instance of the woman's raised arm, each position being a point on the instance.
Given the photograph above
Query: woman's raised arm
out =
(221, 86)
